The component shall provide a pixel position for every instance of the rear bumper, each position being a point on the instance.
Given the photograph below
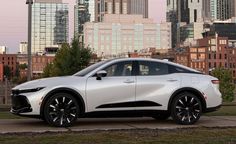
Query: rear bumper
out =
(212, 109)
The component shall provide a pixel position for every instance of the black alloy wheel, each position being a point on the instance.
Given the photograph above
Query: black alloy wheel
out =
(61, 110)
(186, 109)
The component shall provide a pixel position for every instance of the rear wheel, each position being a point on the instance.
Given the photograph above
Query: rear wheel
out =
(61, 110)
(186, 109)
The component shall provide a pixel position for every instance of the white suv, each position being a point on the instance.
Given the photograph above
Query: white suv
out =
(118, 88)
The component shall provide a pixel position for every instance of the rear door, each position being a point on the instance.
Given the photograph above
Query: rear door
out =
(154, 85)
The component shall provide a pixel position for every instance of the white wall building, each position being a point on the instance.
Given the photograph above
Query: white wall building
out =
(126, 33)
(195, 10)
(23, 48)
(3, 49)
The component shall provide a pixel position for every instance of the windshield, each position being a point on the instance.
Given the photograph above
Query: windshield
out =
(90, 69)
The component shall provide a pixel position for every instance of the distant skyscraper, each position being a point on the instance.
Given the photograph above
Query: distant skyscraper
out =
(84, 12)
(195, 10)
(183, 11)
(23, 47)
(3, 49)
(138, 7)
(219, 9)
(95, 10)
(110, 7)
(50, 24)
(223, 9)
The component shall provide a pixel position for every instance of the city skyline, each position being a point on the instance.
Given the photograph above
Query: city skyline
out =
(13, 26)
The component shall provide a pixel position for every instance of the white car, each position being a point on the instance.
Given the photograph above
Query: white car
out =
(120, 88)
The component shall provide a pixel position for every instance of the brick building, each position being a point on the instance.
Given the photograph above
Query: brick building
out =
(39, 63)
(207, 54)
(9, 60)
(1, 72)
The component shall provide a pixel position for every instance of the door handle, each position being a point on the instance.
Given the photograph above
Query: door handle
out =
(129, 81)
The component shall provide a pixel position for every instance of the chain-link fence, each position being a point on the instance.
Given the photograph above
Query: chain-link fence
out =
(5, 92)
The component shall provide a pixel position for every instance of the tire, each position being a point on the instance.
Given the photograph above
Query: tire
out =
(61, 110)
(186, 109)
(163, 116)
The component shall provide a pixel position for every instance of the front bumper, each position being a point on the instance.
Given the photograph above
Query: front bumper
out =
(20, 104)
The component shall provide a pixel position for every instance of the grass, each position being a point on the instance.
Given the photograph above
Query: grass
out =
(224, 111)
(193, 136)
(8, 115)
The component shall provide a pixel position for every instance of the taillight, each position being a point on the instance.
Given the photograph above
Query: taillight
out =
(215, 81)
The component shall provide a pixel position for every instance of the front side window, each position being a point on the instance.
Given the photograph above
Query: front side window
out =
(119, 69)
(152, 68)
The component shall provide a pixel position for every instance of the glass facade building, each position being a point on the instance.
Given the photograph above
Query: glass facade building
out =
(84, 11)
(138, 7)
(50, 25)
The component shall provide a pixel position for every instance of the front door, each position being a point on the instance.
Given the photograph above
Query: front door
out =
(114, 92)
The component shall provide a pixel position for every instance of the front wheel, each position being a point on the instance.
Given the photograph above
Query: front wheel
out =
(61, 110)
(186, 109)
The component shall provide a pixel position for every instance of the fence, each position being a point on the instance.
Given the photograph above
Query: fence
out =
(5, 92)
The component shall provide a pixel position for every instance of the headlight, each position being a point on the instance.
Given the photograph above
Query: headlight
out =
(18, 91)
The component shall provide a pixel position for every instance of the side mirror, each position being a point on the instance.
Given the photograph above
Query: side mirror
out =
(101, 74)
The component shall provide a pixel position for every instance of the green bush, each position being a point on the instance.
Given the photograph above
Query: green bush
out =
(226, 83)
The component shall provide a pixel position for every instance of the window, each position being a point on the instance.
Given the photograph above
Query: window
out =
(175, 69)
(119, 69)
(152, 68)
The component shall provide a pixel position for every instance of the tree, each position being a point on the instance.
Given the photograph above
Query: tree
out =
(68, 60)
(23, 66)
(47, 71)
(226, 83)
(7, 71)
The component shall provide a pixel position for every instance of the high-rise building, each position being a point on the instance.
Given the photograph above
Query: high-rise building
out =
(195, 10)
(23, 48)
(119, 34)
(225, 9)
(138, 7)
(50, 24)
(84, 12)
(94, 11)
(3, 49)
(186, 11)
(220, 9)
(110, 7)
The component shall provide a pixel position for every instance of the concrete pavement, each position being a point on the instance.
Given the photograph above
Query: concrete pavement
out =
(38, 126)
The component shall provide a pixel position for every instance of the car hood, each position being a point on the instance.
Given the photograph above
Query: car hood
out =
(48, 82)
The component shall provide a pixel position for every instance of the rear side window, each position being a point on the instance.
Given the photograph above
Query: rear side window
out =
(147, 68)
(175, 69)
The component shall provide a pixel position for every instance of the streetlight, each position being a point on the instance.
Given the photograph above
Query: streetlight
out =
(30, 3)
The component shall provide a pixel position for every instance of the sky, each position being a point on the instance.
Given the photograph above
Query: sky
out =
(13, 20)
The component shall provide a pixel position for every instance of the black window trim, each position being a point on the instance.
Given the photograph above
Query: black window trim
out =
(133, 73)
(136, 68)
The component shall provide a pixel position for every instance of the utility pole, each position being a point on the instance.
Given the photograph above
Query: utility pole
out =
(6, 90)
(29, 72)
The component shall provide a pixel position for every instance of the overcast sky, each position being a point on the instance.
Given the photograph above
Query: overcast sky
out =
(13, 20)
